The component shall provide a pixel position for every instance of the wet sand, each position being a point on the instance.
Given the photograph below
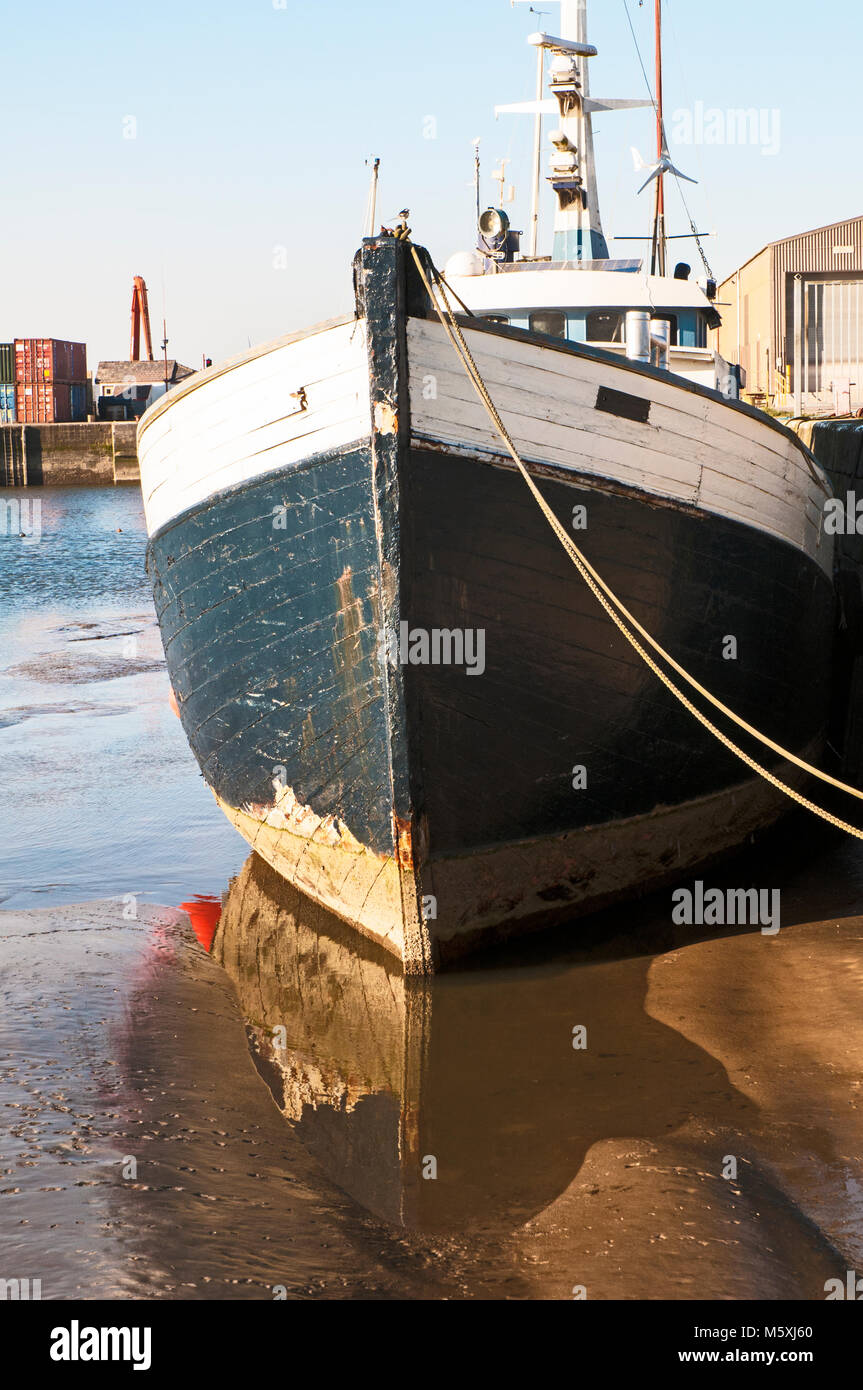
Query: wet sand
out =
(557, 1168)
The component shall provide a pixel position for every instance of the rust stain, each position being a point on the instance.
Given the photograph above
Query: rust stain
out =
(347, 647)
(404, 843)
(308, 735)
(349, 614)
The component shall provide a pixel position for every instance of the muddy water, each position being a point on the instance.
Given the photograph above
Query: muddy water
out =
(251, 1103)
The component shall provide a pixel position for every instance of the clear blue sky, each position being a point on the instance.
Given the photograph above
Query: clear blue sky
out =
(254, 119)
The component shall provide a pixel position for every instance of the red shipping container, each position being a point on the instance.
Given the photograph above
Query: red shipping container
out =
(49, 359)
(43, 402)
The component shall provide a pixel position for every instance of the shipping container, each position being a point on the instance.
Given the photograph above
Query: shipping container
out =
(78, 400)
(7, 403)
(44, 402)
(49, 359)
(7, 362)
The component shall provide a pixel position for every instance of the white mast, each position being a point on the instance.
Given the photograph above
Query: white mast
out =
(577, 227)
(578, 232)
(537, 155)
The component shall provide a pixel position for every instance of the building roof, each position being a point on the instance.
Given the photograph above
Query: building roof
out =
(141, 373)
(854, 223)
(816, 231)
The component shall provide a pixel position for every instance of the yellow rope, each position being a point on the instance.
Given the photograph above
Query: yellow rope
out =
(606, 598)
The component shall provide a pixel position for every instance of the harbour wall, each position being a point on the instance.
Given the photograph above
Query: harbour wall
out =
(100, 452)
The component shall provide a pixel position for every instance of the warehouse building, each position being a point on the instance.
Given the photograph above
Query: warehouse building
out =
(793, 319)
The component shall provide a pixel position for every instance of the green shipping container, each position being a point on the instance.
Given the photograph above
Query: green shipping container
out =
(7, 361)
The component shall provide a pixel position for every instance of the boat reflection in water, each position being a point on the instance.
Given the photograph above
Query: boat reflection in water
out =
(458, 1102)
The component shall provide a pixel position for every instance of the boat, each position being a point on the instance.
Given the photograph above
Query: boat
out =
(397, 684)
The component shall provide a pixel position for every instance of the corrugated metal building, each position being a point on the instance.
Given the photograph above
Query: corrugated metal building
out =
(793, 319)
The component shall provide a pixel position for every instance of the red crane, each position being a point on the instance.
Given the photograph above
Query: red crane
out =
(140, 315)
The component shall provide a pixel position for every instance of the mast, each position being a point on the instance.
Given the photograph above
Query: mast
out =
(578, 229)
(578, 234)
(537, 155)
(658, 258)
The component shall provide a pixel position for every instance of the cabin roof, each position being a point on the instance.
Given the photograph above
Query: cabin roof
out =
(577, 289)
(141, 373)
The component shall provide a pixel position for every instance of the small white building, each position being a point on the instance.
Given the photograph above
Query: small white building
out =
(123, 390)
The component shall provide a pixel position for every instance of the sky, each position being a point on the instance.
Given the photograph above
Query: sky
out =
(219, 147)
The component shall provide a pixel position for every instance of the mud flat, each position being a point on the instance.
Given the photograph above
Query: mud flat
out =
(294, 1160)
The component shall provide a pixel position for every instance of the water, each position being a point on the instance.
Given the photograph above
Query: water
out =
(232, 1100)
(108, 800)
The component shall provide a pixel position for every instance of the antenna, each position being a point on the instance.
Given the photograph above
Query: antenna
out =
(476, 179)
(536, 178)
(506, 194)
(372, 201)
(165, 351)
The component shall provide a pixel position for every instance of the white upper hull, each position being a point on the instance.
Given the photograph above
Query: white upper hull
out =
(238, 422)
(695, 449)
(244, 418)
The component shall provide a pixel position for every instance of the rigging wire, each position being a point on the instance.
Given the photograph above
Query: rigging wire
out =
(638, 55)
(692, 227)
(701, 251)
(640, 59)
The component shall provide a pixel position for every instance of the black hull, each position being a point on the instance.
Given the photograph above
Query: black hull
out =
(562, 687)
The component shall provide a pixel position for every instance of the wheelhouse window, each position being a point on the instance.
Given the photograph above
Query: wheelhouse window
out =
(604, 326)
(550, 321)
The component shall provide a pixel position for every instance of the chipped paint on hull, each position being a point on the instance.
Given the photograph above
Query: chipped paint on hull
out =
(288, 813)
(385, 418)
(360, 886)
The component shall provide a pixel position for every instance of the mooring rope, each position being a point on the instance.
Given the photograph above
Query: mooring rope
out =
(606, 597)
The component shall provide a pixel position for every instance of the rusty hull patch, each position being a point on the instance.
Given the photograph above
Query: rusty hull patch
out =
(404, 843)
